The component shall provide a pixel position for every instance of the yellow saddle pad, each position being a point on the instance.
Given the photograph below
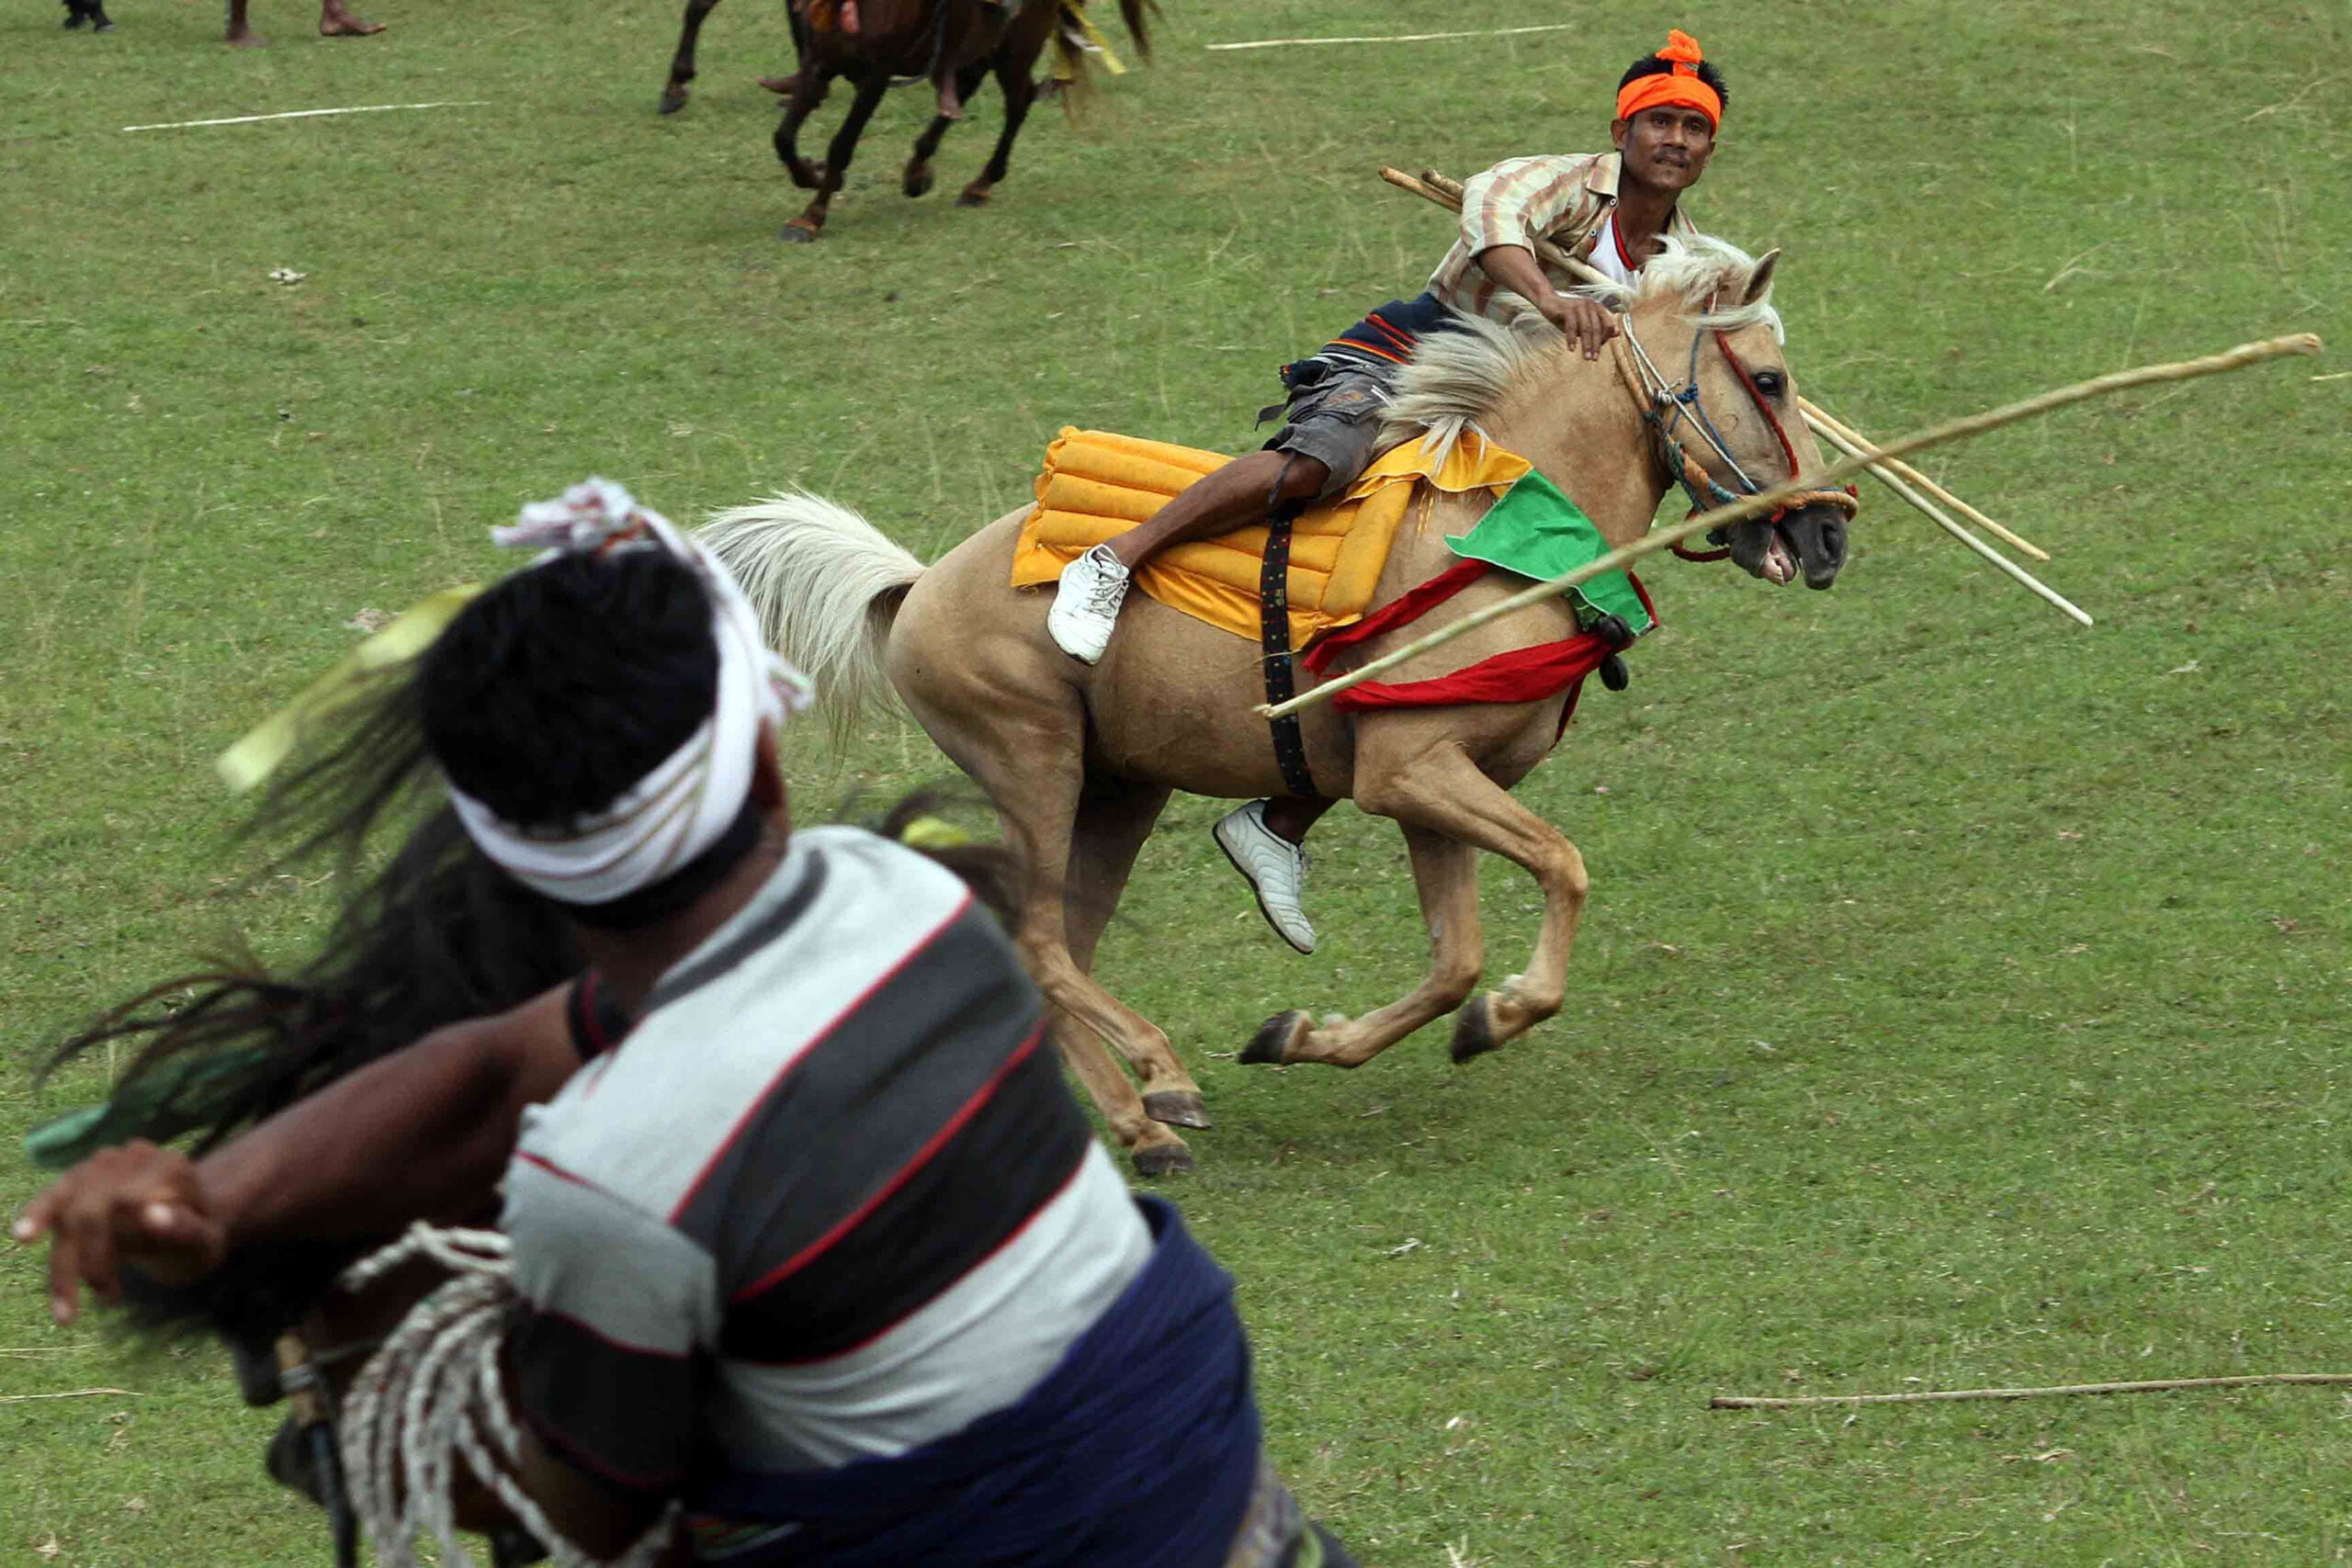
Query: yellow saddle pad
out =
(1097, 484)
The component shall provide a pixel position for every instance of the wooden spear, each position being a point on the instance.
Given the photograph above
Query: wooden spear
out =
(1766, 502)
(1824, 423)
(1938, 1396)
(1888, 475)
(1893, 474)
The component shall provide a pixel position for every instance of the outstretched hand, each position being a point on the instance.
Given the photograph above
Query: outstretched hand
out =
(1586, 324)
(135, 1203)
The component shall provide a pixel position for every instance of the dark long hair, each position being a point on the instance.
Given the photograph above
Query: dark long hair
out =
(430, 932)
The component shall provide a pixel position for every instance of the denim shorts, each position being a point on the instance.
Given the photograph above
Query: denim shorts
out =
(1333, 416)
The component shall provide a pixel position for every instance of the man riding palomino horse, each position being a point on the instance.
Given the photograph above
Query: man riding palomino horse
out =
(813, 1257)
(1608, 210)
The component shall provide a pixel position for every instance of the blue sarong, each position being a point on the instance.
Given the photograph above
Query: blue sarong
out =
(1140, 1449)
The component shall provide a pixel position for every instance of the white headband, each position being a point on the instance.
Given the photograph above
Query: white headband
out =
(681, 808)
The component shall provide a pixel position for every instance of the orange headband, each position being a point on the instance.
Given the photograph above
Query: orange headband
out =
(1680, 87)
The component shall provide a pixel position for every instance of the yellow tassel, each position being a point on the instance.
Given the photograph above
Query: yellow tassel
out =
(270, 742)
(1075, 10)
(933, 833)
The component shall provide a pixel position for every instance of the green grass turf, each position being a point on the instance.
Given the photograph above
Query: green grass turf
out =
(1962, 993)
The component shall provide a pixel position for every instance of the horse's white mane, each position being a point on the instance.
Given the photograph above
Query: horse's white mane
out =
(1456, 378)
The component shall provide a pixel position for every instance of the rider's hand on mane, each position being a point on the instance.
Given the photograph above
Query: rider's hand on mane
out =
(1587, 322)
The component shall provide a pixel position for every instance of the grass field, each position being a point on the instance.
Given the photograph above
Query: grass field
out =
(1961, 1000)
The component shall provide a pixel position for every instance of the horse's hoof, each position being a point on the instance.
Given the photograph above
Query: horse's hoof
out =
(916, 183)
(974, 196)
(1275, 1037)
(1176, 1108)
(798, 233)
(672, 100)
(1164, 1159)
(1474, 1028)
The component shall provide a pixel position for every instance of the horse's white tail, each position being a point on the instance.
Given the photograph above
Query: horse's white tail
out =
(827, 584)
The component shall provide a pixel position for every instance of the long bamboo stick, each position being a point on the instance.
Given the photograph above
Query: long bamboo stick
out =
(1888, 476)
(1824, 423)
(1765, 502)
(1448, 194)
(1931, 1397)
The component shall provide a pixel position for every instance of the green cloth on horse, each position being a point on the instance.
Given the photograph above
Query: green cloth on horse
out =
(1536, 531)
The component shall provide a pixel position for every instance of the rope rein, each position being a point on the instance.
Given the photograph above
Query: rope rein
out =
(1667, 406)
(432, 1393)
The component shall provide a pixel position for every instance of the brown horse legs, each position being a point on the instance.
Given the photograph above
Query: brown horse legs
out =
(827, 178)
(682, 64)
(1019, 92)
(917, 179)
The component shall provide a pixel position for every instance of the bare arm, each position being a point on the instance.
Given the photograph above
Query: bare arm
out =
(1588, 325)
(425, 1132)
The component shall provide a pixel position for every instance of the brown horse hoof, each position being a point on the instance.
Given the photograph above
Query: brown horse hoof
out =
(1176, 1108)
(800, 231)
(672, 101)
(974, 196)
(1275, 1039)
(1474, 1029)
(1164, 1159)
(918, 181)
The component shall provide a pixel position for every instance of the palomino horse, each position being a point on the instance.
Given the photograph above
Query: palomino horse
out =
(954, 43)
(1080, 762)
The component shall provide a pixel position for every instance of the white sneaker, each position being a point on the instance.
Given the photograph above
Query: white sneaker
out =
(1086, 607)
(1275, 867)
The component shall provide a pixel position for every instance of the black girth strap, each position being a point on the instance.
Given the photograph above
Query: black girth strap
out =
(1274, 612)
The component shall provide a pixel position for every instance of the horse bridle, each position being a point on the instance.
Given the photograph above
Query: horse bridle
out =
(1668, 406)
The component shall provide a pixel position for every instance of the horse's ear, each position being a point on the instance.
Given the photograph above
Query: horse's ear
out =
(1761, 278)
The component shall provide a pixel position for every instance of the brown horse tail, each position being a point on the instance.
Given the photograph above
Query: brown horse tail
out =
(827, 584)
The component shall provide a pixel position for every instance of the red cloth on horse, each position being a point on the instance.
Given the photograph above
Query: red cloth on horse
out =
(1519, 675)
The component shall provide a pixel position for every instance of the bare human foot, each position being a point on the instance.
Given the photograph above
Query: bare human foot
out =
(783, 86)
(241, 37)
(336, 22)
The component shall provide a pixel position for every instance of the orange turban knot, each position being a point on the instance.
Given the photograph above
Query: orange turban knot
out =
(1680, 87)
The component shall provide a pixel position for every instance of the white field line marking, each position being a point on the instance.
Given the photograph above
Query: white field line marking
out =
(1397, 38)
(312, 114)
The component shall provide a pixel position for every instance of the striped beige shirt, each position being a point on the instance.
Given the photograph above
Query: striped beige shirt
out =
(1561, 197)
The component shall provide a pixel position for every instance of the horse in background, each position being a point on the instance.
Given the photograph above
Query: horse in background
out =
(954, 44)
(682, 61)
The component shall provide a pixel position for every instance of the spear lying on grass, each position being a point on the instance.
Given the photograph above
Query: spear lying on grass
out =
(1764, 503)
(1907, 482)
(1938, 1396)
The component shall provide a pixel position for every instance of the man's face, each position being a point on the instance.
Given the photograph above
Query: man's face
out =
(1665, 147)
